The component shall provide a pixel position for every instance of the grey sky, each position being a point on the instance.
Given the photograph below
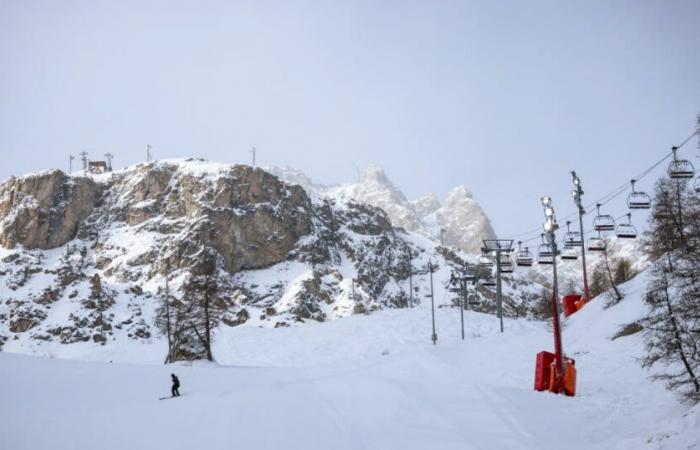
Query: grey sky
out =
(504, 97)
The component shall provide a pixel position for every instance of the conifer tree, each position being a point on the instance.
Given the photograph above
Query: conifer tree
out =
(673, 291)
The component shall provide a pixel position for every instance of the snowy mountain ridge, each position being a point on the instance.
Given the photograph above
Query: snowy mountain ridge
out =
(85, 259)
(460, 222)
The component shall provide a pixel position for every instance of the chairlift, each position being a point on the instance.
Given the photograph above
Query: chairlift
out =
(469, 274)
(506, 264)
(523, 258)
(545, 255)
(603, 222)
(569, 254)
(638, 199)
(572, 239)
(680, 169)
(596, 244)
(626, 230)
(485, 261)
(696, 185)
(488, 280)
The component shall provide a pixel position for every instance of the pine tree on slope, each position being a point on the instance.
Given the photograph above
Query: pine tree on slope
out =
(673, 292)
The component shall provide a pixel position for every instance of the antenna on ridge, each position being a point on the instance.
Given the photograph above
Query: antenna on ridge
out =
(84, 159)
(70, 163)
(148, 152)
(109, 157)
(252, 151)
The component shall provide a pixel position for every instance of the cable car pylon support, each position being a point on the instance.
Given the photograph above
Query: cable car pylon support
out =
(577, 194)
(497, 248)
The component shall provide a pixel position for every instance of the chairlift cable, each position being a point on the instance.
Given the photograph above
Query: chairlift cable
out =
(610, 195)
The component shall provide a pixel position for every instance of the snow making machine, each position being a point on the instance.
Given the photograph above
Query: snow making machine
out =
(553, 371)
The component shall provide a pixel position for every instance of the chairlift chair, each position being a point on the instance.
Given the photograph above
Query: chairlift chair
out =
(603, 222)
(680, 169)
(569, 254)
(596, 244)
(469, 274)
(638, 199)
(626, 230)
(545, 255)
(485, 261)
(572, 239)
(489, 280)
(696, 185)
(523, 258)
(506, 264)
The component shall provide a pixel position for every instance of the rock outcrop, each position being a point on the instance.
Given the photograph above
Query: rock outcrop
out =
(44, 210)
(250, 217)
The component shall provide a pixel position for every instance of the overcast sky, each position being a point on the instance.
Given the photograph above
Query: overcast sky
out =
(503, 97)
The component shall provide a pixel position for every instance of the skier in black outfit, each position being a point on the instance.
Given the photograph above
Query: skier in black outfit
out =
(176, 385)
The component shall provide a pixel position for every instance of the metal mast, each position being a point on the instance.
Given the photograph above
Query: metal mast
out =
(577, 194)
(499, 287)
(463, 298)
(83, 158)
(431, 268)
(410, 286)
(70, 163)
(148, 152)
(109, 157)
(252, 151)
(550, 226)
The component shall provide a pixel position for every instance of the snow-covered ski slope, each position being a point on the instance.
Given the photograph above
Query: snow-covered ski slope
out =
(362, 382)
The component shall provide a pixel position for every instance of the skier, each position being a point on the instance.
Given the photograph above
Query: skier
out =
(176, 385)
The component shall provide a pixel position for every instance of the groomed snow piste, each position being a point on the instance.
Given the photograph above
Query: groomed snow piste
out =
(362, 382)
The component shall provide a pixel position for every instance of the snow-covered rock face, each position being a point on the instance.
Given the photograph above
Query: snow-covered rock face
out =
(464, 223)
(374, 188)
(425, 205)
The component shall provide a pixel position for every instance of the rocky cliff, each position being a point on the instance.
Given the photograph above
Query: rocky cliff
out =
(105, 259)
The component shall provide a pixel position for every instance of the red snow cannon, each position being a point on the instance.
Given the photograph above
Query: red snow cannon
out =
(569, 387)
(567, 384)
(543, 368)
(546, 375)
(569, 302)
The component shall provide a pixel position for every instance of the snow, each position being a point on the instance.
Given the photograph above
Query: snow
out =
(361, 382)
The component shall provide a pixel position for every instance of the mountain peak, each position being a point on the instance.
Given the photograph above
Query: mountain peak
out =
(375, 174)
(426, 204)
(460, 191)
